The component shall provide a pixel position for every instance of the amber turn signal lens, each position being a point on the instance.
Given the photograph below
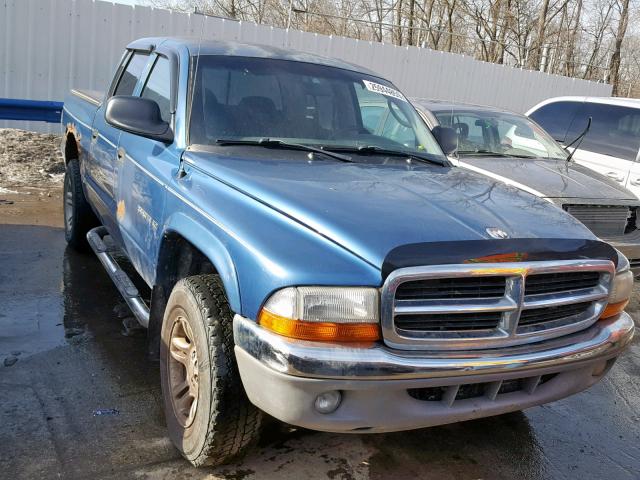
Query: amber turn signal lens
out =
(614, 309)
(319, 331)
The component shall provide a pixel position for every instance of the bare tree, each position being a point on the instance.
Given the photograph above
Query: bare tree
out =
(592, 39)
(614, 65)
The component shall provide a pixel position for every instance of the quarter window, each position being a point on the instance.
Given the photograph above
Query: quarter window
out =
(158, 87)
(131, 74)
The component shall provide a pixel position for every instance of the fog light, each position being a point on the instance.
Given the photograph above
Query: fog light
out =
(328, 402)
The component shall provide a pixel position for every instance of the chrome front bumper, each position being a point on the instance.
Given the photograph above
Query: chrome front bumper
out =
(300, 358)
(284, 376)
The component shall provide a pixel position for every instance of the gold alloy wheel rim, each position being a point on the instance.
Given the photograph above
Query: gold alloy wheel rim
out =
(183, 372)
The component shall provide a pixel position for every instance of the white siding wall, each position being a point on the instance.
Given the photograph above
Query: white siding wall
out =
(50, 46)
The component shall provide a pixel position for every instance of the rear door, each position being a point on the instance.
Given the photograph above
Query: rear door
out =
(611, 145)
(101, 171)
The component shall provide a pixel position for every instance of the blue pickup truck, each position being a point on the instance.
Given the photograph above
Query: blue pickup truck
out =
(301, 265)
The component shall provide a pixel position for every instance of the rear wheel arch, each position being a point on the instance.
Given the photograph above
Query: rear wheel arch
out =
(71, 146)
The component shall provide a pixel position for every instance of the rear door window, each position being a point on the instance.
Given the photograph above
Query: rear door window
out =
(615, 130)
(158, 87)
(555, 118)
(131, 74)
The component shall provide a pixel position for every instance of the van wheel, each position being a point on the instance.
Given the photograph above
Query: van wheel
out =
(78, 216)
(209, 416)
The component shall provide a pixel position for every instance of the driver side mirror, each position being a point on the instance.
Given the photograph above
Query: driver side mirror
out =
(139, 116)
(447, 138)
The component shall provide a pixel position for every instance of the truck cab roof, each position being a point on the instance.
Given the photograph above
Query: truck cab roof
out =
(196, 46)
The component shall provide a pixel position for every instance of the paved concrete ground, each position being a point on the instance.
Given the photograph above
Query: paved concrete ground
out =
(59, 325)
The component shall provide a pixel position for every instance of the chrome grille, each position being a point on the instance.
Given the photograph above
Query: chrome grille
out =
(603, 220)
(444, 322)
(536, 316)
(492, 305)
(560, 282)
(469, 287)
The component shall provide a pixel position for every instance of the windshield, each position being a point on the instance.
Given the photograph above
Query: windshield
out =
(504, 134)
(241, 98)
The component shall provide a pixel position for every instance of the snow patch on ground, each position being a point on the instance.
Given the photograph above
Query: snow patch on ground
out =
(29, 158)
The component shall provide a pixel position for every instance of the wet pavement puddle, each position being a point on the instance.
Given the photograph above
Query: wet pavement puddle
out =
(62, 323)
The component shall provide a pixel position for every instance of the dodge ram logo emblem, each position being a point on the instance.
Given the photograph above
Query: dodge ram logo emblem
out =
(497, 233)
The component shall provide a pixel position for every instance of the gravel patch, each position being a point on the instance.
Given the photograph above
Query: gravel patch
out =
(29, 158)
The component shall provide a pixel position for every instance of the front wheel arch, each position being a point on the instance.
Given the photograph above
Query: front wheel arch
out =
(181, 256)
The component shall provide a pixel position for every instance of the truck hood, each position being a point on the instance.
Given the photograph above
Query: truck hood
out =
(554, 179)
(372, 208)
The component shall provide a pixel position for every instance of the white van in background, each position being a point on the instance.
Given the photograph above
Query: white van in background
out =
(612, 144)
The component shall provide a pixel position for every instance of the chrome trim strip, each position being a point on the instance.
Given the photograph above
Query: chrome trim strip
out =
(557, 299)
(85, 97)
(411, 307)
(604, 340)
(511, 305)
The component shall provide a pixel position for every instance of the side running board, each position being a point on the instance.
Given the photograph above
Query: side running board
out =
(121, 280)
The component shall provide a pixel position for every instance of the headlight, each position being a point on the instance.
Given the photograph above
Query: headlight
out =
(345, 314)
(621, 290)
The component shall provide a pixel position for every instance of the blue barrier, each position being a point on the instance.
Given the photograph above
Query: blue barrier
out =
(30, 110)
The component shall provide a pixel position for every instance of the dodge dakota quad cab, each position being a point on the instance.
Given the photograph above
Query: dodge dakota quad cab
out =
(300, 265)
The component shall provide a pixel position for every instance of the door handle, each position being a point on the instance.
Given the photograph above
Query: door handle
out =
(635, 181)
(616, 176)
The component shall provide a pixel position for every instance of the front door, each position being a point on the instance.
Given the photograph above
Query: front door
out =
(143, 164)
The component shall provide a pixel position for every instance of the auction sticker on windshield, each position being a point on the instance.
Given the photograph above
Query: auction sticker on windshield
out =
(383, 89)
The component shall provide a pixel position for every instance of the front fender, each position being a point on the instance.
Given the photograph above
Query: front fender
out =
(210, 246)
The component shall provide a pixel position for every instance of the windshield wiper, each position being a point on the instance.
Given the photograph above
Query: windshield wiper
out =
(494, 154)
(578, 140)
(272, 143)
(372, 149)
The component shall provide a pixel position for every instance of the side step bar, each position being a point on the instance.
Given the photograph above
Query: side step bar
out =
(121, 280)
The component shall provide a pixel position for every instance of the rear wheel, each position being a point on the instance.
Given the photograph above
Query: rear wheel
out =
(78, 216)
(209, 416)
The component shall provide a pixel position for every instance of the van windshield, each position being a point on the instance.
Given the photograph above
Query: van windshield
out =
(503, 134)
(243, 98)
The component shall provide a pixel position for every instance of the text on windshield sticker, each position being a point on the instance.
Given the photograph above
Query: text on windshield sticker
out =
(383, 89)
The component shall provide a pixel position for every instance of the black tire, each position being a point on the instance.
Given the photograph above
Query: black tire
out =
(78, 216)
(225, 422)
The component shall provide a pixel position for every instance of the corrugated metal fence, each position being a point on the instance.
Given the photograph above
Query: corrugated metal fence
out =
(49, 46)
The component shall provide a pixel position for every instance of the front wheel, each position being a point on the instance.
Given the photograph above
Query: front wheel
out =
(209, 416)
